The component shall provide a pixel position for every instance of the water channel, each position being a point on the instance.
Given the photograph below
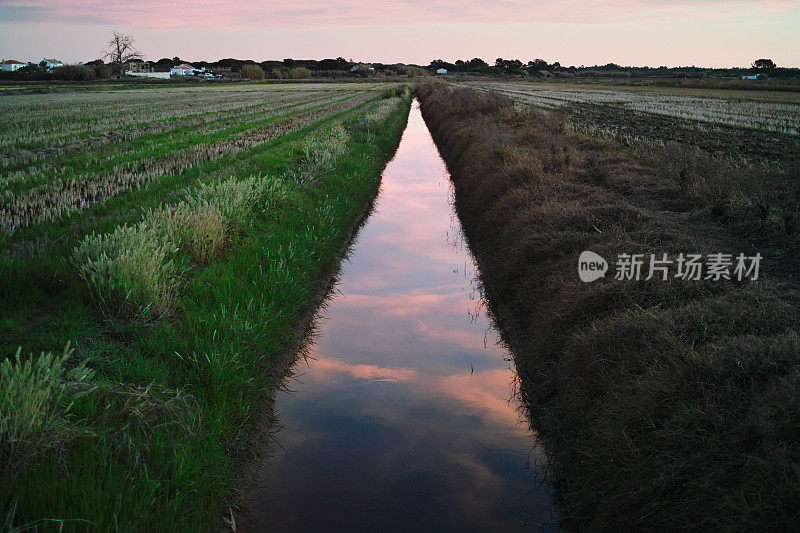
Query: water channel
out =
(405, 416)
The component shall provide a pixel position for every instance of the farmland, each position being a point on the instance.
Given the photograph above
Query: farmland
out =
(760, 125)
(163, 249)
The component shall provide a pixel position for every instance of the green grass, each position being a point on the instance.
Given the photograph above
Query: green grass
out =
(151, 148)
(173, 398)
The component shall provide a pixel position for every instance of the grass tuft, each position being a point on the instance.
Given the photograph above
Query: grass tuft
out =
(36, 395)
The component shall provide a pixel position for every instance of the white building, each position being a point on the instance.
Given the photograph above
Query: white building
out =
(441, 71)
(753, 77)
(142, 69)
(157, 75)
(10, 65)
(184, 69)
(50, 64)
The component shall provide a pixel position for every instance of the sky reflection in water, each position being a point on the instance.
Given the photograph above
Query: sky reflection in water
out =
(404, 418)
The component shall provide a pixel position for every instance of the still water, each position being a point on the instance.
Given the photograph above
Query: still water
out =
(404, 417)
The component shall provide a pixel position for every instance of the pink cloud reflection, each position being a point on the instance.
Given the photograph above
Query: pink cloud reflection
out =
(490, 391)
(362, 371)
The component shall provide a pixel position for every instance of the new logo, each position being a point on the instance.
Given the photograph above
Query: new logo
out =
(591, 266)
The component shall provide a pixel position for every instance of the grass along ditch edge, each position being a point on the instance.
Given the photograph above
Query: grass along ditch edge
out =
(186, 388)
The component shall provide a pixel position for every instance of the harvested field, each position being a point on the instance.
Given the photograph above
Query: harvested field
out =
(755, 124)
(662, 403)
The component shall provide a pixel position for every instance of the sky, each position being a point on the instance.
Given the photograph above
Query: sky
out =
(710, 33)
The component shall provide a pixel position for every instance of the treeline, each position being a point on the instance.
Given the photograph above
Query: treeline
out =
(33, 72)
(229, 67)
(540, 67)
(340, 67)
(297, 68)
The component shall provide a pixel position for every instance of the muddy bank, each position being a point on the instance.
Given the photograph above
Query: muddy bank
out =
(661, 403)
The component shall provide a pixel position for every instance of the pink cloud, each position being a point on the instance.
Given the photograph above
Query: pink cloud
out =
(318, 13)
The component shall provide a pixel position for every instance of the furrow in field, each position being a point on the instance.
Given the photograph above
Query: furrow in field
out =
(121, 131)
(779, 117)
(127, 156)
(68, 120)
(25, 133)
(66, 196)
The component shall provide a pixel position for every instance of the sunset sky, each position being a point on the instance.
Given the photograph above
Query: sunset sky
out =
(715, 33)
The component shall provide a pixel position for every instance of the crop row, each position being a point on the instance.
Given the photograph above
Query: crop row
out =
(70, 107)
(97, 120)
(126, 127)
(128, 155)
(64, 196)
(781, 117)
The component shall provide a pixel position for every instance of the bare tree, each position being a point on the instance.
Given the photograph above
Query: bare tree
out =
(120, 50)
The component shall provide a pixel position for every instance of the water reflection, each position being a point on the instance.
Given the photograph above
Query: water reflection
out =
(405, 417)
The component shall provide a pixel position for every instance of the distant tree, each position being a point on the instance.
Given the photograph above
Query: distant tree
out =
(252, 72)
(299, 73)
(103, 71)
(477, 64)
(339, 63)
(436, 64)
(33, 72)
(763, 64)
(121, 50)
(74, 73)
(509, 66)
(538, 64)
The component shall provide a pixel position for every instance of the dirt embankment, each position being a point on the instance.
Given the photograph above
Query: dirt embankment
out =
(662, 403)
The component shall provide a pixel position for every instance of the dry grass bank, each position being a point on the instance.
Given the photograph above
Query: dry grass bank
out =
(662, 404)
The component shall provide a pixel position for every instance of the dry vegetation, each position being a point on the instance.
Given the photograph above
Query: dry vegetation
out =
(756, 111)
(760, 126)
(662, 404)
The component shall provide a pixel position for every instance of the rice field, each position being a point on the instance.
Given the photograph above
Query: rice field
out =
(50, 183)
(169, 244)
(756, 111)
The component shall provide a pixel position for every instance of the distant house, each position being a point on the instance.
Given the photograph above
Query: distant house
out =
(142, 69)
(138, 67)
(361, 66)
(10, 65)
(184, 69)
(752, 77)
(441, 71)
(50, 64)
